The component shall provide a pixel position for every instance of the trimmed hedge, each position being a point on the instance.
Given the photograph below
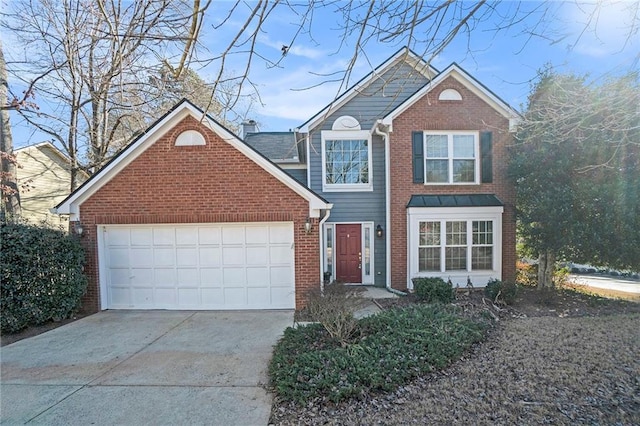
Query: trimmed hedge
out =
(433, 290)
(395, 346)
(41, 271)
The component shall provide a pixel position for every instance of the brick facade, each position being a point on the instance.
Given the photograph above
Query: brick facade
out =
(213, 183)
(428, 113)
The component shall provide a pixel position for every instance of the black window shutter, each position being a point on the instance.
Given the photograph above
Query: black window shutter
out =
(418, 157)
(486, 157)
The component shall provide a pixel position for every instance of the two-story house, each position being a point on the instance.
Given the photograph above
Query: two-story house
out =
(414, 162)
(402, 176)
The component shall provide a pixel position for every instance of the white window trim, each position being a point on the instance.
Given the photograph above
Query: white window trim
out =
(347, 135)
(366, 279)
(479, 278)
(450, 134)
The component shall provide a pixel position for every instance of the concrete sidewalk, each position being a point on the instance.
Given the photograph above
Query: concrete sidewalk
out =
(144, 367)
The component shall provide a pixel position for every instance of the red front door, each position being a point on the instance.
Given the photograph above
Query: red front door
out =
(348, 254)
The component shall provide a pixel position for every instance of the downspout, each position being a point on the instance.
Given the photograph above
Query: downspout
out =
(387, 185)
(321, 238)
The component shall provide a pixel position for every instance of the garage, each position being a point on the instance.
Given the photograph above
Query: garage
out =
(197, 267)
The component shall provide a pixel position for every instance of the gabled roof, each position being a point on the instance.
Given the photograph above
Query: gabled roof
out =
(279, 147)
(404, 54)
(71, 205)
(469, 200)
(479, 89)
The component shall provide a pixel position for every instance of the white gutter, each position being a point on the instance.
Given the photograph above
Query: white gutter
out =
(387, 184)
(321, 238)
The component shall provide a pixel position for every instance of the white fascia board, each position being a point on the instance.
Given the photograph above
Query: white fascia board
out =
(415, 61)
(465, 79)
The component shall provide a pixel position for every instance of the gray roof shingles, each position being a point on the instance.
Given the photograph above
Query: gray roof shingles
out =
(276, 146)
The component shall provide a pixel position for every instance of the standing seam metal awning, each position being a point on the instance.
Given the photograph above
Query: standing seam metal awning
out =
(460, 200)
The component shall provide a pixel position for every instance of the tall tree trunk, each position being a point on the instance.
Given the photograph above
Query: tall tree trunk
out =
(546, 268)
(8, 177)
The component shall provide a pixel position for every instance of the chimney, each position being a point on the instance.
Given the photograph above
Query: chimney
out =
(249, 126)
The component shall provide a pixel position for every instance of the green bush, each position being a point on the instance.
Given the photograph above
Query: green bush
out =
(501, 291)
(41, 275)
(395, 346)
(433, 290)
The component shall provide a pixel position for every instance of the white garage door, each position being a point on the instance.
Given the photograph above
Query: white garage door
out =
(208, 266)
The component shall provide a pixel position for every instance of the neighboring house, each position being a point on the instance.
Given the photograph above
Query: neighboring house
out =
(402, 176)
(44, 176)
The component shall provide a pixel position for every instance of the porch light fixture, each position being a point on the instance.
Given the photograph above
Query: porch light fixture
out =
(379, 231)
(307, 226)
(79, 229)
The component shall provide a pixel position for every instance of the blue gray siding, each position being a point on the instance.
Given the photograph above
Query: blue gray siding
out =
(373, 103)
(298, 174)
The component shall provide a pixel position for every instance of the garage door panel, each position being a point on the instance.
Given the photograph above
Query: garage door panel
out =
(141, 256)
(234, 277)
(163, 257)
(282, 297)
(119, 237)
(188, 297)
(210, 266)
(141, 237)
(233, 235)
(209, 235)
(188, 276)
(164, 277)
(186, 256)
(281, 234)
(164, 236)
(211, 296)
(141, 276)
(187, 236)
(281, 276)
(257, 296)
(210, 256)
(258, 277)
(280, 254)
(257, 255)
(233, 256)
(211, 277)
(120, 277)
(118, 257)
(142, 297)
(235, 296)
(257, 235)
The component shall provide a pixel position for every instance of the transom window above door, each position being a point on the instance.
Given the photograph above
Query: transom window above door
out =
(346, 160)
(451, 157)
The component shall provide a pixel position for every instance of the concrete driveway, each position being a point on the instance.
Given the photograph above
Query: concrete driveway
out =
(144, 367)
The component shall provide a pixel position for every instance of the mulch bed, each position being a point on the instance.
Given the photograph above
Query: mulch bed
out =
(553, 357)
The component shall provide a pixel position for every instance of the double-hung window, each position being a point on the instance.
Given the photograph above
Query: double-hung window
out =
(451, 157)
(346, 160)
(455, 245)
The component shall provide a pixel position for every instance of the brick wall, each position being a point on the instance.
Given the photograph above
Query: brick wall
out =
(472, 113)
(197, 184)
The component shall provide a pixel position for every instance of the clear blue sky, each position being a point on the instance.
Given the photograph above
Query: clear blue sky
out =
(506, 63)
